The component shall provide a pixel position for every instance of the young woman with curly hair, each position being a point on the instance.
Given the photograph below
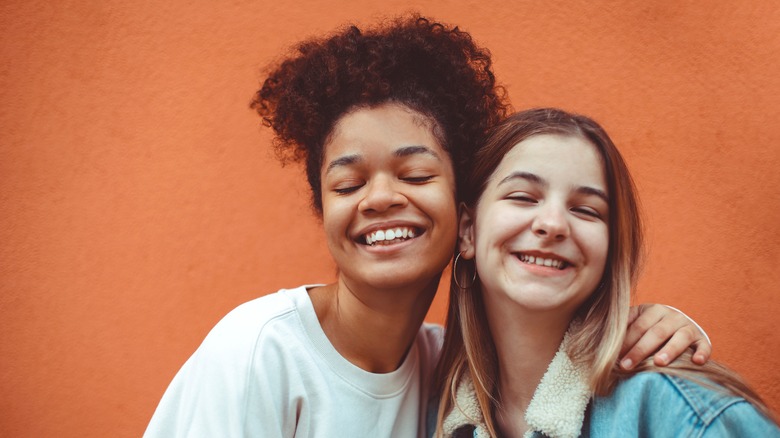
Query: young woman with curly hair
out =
(385, 120)
(549, 249)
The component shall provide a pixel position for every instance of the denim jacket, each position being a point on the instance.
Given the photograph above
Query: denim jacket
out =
(654, 404)
(648, 404)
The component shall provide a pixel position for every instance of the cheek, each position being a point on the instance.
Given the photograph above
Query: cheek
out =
(442, 206)
(333, 219)
(503, 225)
(598, 246)
(495, 228)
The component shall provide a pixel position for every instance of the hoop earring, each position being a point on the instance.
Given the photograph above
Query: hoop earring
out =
(455, 274)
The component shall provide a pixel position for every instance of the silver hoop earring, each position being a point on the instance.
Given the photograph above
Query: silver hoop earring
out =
(455, 274)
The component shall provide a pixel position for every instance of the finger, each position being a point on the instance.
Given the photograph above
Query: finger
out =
(679, 342)
(646, 317)
(652, 339)
(701, 335)
(634, 312)
(703, 352)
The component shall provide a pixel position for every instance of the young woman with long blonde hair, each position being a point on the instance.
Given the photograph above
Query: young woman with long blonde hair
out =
(550, 247)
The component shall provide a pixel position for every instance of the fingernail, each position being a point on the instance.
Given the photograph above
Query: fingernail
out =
(626, 364)
(664, 358)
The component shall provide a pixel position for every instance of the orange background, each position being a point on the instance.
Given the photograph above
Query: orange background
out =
(139, 200)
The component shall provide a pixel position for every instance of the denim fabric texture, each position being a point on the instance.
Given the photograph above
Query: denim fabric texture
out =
(657, 405)
(652, 404)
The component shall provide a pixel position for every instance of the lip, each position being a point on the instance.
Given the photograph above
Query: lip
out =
(359, 236)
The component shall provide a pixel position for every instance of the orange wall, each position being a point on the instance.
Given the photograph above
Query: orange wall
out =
(139, 201)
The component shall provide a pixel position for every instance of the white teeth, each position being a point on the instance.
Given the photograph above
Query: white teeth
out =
(531, 260)
(388, 235)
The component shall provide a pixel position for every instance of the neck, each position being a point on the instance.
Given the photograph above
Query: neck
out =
(526, 342)
(372, 328)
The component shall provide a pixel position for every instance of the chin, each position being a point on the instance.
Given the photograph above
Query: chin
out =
(542, 302)
(393, 282)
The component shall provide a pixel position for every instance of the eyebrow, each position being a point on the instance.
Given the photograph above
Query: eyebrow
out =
(346, 160)
(585, 190)
(405, 151)
(536, 179)
(417, 149)
(530, 177)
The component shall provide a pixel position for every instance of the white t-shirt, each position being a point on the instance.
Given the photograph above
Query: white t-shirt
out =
(268, 370)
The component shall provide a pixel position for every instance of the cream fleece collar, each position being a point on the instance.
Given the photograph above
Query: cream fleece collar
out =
(557, 408)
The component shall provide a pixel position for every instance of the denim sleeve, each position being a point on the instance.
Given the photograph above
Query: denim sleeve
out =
(741, 420)
(656, 405)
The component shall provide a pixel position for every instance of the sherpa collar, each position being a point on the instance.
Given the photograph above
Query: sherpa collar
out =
(557, 408)
(465, 412)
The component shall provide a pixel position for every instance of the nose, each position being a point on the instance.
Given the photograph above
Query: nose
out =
(551, 223)
(381, 194)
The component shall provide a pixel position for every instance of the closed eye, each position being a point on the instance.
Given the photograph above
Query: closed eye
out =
(417, 179)
(587, 211)
(523, 198)
(347, 190)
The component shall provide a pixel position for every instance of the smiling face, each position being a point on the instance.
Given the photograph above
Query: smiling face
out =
(540, 234)
(388, 197)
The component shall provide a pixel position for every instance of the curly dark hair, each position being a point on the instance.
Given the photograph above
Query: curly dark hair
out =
(427, 66)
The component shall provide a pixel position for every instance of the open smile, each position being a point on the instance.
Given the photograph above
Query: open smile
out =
(548, 261)
(390, 236)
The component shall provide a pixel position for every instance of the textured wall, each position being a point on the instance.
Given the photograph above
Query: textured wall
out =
(139, 201)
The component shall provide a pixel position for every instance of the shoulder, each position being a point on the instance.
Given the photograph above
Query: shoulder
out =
(707, 402)
(256, 327)
(259, 311)
(431, 337)
(658, 403)
(248, 321)
(211, 393)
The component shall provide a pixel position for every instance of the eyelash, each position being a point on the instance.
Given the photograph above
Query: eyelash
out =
(418, 179)
(348, 190)
(522, 198)
(412, 180)
(580, 210)
(587, 212)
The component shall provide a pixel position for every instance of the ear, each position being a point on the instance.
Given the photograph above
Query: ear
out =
(466, 232)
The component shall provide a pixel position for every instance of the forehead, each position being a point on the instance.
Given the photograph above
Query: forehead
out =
(388, 125)
(554, 155)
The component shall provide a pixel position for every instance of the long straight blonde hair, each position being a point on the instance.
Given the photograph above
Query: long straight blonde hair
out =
(596, 341)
